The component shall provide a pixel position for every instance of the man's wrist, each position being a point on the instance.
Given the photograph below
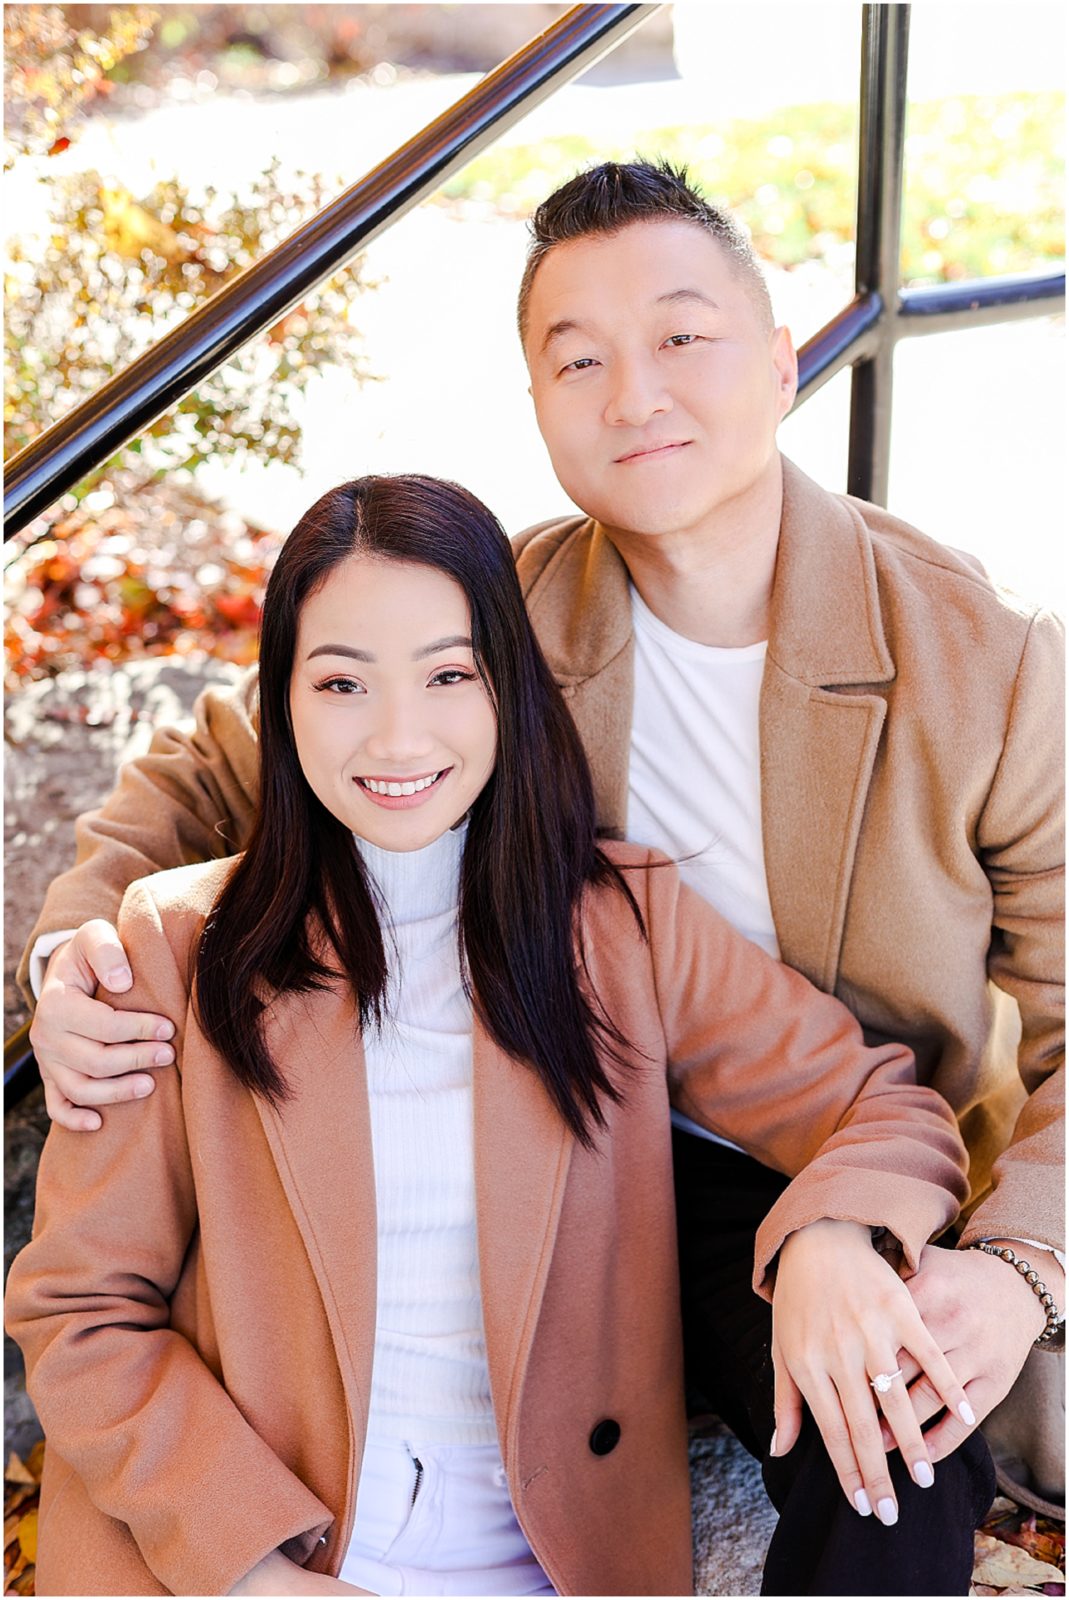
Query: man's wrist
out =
(1035, 1274)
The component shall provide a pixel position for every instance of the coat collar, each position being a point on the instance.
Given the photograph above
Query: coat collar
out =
(819, 738)
(825, 628)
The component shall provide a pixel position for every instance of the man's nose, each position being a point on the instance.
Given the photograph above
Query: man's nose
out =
(637, 393)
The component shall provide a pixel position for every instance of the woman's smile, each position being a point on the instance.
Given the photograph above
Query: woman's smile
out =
(399, 794)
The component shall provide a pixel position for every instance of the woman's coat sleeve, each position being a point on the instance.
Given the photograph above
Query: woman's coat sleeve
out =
(759, 1056)
(124, 1399)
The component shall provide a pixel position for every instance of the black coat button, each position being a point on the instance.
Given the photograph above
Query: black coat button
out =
(605, 1437)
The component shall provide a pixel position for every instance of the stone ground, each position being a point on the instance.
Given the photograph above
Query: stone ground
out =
(63, 742)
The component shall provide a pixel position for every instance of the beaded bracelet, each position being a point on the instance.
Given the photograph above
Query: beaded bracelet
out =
(1034, 1282)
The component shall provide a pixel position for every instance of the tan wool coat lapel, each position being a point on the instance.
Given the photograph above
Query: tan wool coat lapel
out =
(818, 742)
(825, 633)
(522, 1156)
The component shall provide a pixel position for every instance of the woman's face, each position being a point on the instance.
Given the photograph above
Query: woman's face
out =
(395, 731)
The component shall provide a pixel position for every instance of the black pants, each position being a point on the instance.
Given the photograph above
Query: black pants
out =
(821, 1545)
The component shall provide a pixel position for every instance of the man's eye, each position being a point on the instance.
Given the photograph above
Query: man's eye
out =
(580, 364)
(450, 675)
(341, 686)
(679, 340)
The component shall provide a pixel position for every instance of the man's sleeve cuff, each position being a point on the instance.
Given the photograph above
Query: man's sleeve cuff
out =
(40, 953)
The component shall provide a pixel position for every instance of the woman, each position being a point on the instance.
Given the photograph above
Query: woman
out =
(271, 1349)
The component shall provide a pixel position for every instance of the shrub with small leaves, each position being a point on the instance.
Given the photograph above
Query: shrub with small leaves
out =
(117, 272)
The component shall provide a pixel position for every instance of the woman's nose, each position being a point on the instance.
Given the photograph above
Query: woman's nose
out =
(400, 733)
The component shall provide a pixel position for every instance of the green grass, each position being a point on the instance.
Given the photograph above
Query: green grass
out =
(984, 180)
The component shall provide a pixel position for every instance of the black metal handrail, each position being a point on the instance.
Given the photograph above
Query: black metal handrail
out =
(264, 292)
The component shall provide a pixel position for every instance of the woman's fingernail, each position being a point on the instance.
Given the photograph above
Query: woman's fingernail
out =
(887, 1512)
(772, 1446)
(923, 1474)
(863, 1503)
(967, 1414)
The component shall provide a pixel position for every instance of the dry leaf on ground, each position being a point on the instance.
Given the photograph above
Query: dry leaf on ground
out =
(28, 1535)
(1007, 1566)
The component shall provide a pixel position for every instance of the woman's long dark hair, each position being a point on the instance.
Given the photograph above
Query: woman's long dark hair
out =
(531, 847)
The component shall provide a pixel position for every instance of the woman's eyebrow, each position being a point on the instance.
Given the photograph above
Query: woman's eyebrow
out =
(455, 641)
(340, 650)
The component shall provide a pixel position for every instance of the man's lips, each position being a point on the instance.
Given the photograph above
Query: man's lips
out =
(648, 452)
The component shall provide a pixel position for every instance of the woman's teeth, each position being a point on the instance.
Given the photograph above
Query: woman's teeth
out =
(413, 787)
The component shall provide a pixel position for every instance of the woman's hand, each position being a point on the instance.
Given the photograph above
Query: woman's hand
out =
(840, 1316)
(277, 1574)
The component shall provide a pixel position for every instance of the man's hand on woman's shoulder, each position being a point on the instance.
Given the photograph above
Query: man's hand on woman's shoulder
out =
(90, 1053)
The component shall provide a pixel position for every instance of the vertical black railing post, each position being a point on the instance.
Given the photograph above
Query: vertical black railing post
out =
(881, 158)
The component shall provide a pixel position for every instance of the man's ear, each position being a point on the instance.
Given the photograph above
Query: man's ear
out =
(785, 362)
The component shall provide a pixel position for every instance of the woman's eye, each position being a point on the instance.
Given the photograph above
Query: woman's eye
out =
(450, 675)
(341, 686)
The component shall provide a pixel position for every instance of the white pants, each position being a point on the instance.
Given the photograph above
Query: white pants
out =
(437, 1519)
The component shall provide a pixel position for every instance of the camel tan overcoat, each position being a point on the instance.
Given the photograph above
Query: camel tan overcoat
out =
(197, 1307)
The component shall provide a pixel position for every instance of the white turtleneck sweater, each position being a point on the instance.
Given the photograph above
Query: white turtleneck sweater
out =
(430, 1378)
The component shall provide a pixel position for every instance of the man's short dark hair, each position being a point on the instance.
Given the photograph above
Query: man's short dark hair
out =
(607, 198)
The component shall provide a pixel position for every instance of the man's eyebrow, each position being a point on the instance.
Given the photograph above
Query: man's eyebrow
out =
(557, 330)
(678, 297)
(453, 641)
(674, 297)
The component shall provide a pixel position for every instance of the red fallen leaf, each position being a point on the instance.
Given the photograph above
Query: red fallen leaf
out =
(1040, 1537)
(60, 145)
(1044, 1546)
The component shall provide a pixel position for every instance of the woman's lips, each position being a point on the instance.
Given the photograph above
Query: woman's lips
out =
(402, 802)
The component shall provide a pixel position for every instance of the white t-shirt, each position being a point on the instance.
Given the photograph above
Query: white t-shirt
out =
(694, 775)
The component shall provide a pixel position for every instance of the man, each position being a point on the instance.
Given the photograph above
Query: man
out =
(843, 733)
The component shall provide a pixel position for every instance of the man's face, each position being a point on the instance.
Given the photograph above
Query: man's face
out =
(657, 386)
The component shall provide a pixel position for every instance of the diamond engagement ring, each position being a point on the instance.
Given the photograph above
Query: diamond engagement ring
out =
(883, 1380)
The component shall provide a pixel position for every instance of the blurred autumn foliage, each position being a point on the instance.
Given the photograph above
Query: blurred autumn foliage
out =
(110, 273)
(54, 69)
(137, 568)
(22, 1488)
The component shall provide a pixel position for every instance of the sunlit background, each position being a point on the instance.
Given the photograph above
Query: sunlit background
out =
(153, 152)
